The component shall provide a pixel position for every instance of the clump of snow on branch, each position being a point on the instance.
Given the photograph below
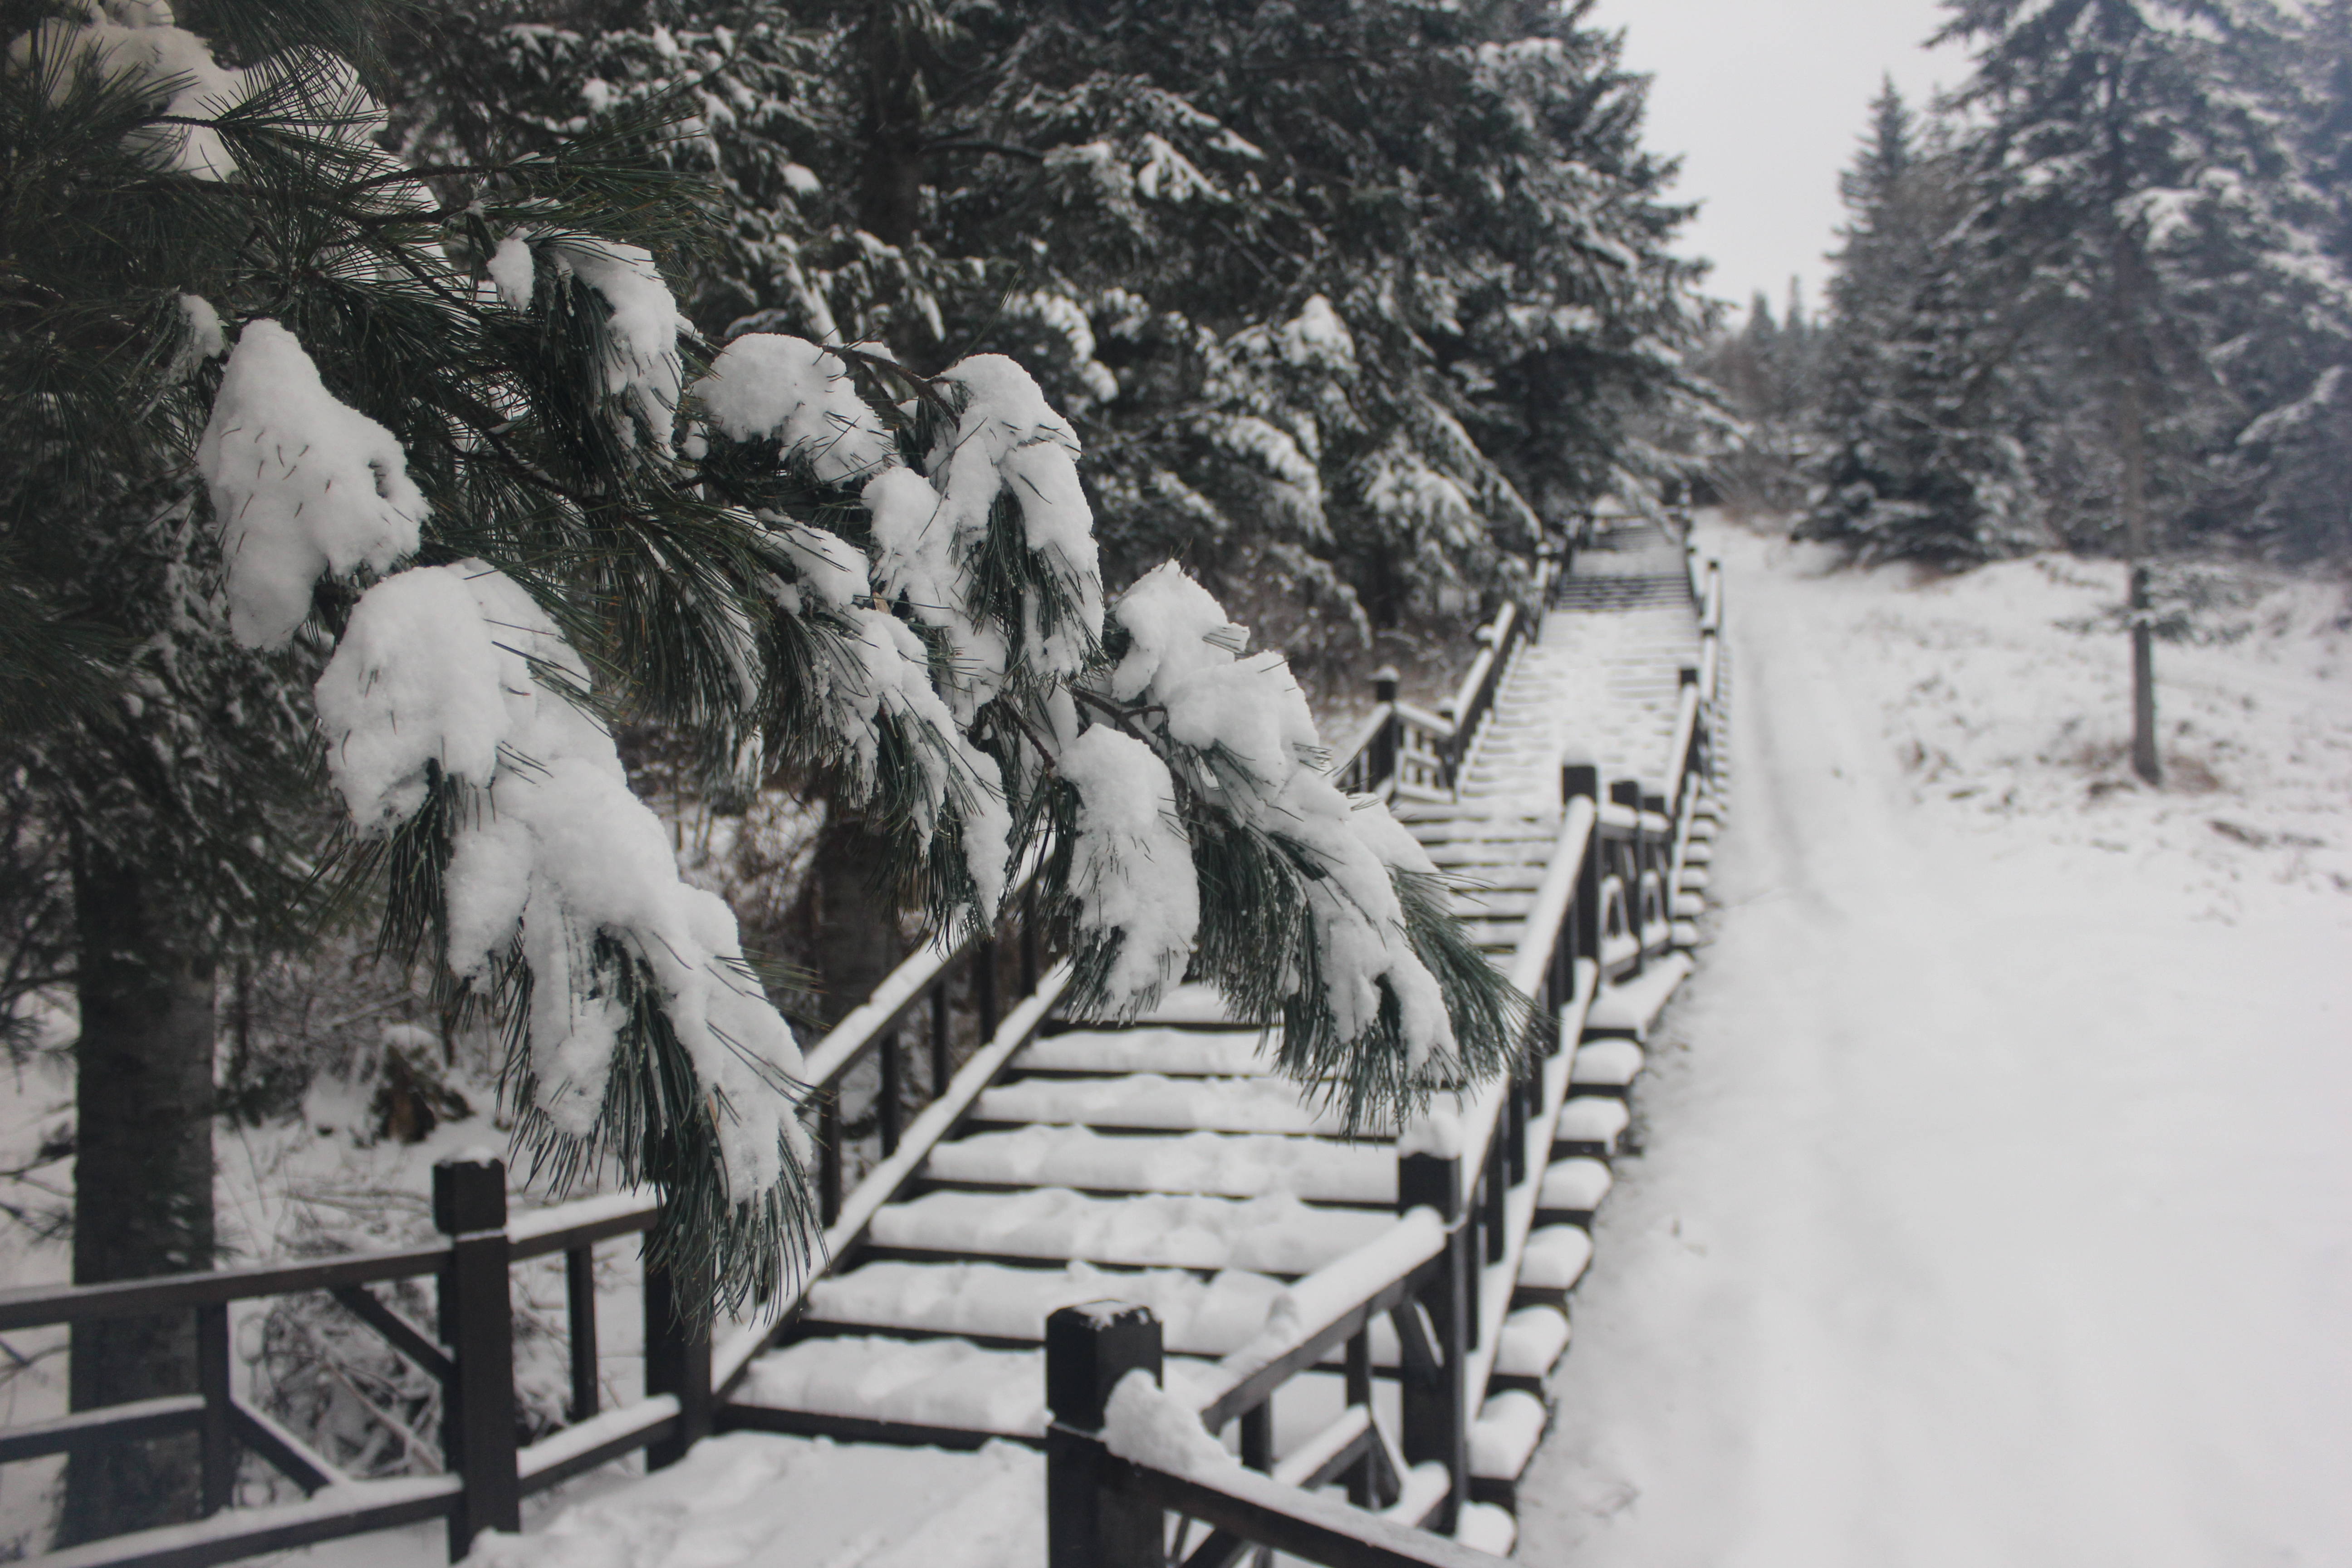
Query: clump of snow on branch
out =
(302, 484)
(764, 385)
(1318, 337)
(141, 39)
(641, 361)
(1009, 441)
(457, 666)
(514, 271)
(1131, 868)
(892, 681)
(1246, 724)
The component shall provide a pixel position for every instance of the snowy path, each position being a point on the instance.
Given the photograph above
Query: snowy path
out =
(1997, 1205)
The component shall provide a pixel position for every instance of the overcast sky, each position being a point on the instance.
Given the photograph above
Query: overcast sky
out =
(1764, 100)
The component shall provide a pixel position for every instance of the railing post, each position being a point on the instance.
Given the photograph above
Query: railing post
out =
(1382, 759)
(886, 1106)
(218, 1441)
(1088, 1525)
(984, 985)
(580, 1312)
(478, 1421)
(1584, 779)
(678, 1363)
(942, 1062)
(1435, 1428)
(1627, 793)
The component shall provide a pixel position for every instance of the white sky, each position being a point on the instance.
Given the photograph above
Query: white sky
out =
(1765, 101)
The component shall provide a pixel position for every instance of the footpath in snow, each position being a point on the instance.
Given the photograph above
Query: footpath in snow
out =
(1996, 1201)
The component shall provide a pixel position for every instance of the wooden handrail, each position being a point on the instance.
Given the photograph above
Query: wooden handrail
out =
(884, 1181)
(1265, 1511)
(1330, 1306)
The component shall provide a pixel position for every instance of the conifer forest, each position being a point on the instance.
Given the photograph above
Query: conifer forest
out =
(667, 598)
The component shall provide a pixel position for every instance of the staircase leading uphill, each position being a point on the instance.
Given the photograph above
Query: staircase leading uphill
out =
(1162, 1162)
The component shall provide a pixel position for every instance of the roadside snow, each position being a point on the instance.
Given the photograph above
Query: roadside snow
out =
(1993, 1209)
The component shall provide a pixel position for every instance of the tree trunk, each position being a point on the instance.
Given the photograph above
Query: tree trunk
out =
(890, 166)
(857, 922)
(143, 1184)
(2131, 441)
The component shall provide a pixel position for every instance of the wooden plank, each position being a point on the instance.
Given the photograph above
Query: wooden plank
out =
(108, 1423)
(398, 1331)
(238, 1533)
(736, 1417)
(1261, 1510)
(35, 1306)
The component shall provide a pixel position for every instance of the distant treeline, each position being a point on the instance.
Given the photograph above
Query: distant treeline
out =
(2100, 296)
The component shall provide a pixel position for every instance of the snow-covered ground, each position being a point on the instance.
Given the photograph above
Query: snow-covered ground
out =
(1996, 1206)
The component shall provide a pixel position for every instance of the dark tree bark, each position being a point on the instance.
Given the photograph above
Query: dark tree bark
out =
(857, 920)
(890, 182)
(142, 1183)
(2131, 445)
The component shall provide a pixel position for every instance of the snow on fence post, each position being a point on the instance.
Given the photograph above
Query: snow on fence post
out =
(478, 1418)
(1437, 1329)
(1088, 1523)
(678, 1363)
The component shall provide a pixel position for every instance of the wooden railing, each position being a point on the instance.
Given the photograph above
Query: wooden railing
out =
(1467, 1180)
(469, 1351)
(1468, 1176)
(1402, 751)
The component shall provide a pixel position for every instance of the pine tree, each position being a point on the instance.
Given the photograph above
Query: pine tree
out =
(1917, 461)
(411, 474)
(2115, 128)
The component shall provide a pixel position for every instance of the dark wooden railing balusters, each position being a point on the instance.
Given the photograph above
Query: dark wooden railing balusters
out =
(828, 1154)
(678, 1363)
(983, 981)
(942, 1060)
(1359, 1374)
(478, 1424)
(1435, 1425)
(579, 1301)
(886, 1102)
(218, 1440)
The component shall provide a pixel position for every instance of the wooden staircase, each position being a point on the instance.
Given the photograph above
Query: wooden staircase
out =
(1163, 1163)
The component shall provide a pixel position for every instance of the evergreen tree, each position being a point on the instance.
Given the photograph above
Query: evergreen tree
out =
(1340, 296)
(411, 474)
(2121, 141)
(1917, 459)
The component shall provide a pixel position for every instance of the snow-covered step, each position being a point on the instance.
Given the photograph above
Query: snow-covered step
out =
(1183, 1052)
(1275, 1234)
(1590, 1124)
(1502, 1440)
(1210, 1317)
(1632, 1006)
(1534, 1339)
(1605, 1067)
(1698, 852)
(1572, 1189)
(1555, 1259)
(1157, 1101)
(1224, 1164)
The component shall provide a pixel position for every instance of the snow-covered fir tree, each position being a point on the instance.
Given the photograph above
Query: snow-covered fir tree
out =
(1919, 456)
(1336, 350)
(2129, 181)
(398, 481)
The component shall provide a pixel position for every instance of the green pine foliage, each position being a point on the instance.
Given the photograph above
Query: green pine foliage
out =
(488, 309)
(1339, 349)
